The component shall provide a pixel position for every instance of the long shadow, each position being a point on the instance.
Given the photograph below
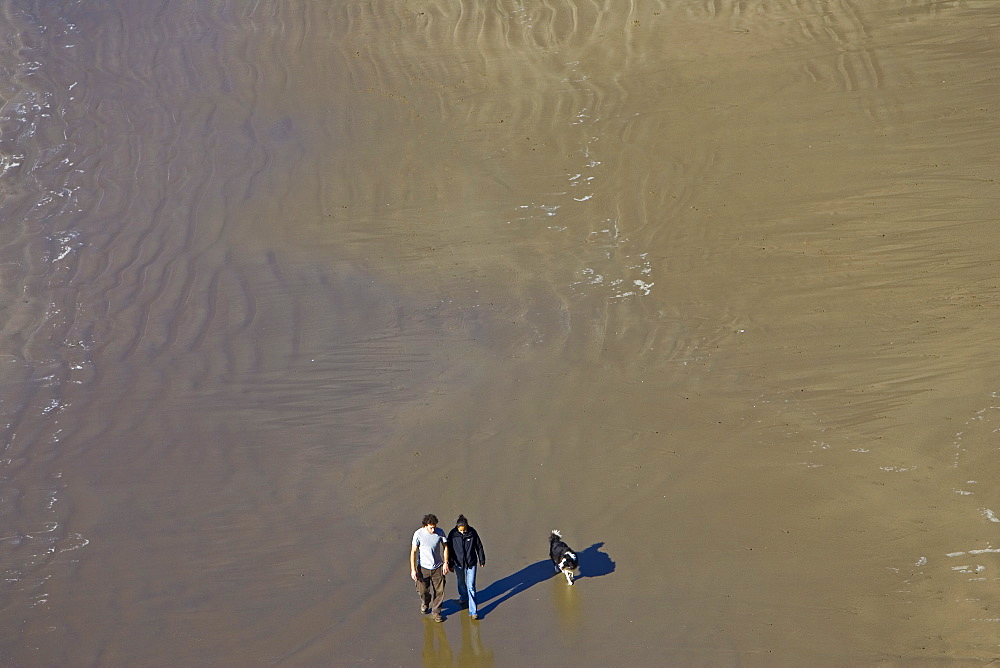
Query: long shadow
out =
(593, 564)
(514, 584)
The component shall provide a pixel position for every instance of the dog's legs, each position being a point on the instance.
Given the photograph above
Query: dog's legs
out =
(569, 577)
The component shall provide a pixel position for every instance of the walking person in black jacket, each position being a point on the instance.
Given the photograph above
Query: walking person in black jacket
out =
(465, 554)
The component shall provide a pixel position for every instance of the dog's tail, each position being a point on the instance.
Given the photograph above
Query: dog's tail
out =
(555, 536)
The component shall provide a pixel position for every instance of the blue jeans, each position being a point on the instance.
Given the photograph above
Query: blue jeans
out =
(467, 586)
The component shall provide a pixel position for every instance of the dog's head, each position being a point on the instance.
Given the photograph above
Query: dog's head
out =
(568, 561)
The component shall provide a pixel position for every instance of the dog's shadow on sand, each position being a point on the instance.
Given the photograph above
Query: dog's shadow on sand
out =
(593, 564)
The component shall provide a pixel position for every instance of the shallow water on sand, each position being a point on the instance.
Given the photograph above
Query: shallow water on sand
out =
(709, 286)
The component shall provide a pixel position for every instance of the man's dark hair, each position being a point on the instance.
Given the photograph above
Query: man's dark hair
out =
(430, 518)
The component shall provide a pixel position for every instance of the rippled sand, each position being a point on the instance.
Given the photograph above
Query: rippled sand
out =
(709, 286)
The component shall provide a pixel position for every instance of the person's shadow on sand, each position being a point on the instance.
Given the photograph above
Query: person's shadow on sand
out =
(514, 584)
(593, 563)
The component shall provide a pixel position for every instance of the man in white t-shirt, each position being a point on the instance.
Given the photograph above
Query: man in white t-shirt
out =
(429, 565)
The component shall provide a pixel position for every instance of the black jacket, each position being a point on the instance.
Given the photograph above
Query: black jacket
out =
(465, 551)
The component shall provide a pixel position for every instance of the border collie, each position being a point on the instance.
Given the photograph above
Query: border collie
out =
(563, 558)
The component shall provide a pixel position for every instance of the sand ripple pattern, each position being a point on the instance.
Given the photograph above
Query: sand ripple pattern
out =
(547, 107)
(592, 158)
(135, 146)
(39, 180)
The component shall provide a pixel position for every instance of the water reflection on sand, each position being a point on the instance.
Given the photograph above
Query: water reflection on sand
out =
(437, 651)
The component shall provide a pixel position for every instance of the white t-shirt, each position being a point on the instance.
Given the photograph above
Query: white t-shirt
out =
(430, 547)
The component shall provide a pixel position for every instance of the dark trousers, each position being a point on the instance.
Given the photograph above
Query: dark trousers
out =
(430, 588)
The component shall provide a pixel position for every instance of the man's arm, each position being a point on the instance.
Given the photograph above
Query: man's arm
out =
(445, 558)
(413, 562)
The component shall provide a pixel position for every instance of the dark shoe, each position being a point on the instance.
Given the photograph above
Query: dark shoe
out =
(438, 618)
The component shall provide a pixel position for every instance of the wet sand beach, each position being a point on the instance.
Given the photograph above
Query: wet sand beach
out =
(709, 286)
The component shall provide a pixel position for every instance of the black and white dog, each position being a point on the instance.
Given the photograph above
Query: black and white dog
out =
(563, 558)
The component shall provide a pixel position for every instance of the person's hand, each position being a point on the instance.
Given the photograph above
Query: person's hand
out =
(445, 567)
(413, 575)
